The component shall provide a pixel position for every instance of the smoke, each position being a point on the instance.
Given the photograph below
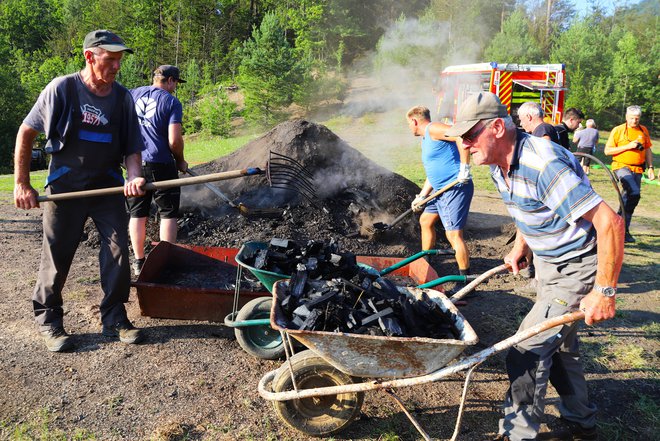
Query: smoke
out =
(403, 72)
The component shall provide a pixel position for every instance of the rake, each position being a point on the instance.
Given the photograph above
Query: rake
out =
(286, 173)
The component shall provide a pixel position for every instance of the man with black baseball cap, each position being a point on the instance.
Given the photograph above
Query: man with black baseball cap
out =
(105, 40)
(577, 244)
(160, 116)
(91, 129)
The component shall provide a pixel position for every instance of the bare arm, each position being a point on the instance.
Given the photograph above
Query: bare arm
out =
(25, 196)
(134, 180)
(176, 146)
(609, 232)
(519, 255)
(437, 131)
(650, 172)
(612, 149)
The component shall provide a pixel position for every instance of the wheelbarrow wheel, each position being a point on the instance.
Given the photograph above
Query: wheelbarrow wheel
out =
(316, 416)
(262, 341)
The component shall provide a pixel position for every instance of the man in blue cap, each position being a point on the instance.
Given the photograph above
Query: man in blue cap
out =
(91, 128)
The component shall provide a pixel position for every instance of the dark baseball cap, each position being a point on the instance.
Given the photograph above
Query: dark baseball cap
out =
(167, 71)
(105, 40)
(484, 105)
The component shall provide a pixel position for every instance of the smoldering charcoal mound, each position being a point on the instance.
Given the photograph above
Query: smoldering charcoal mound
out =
(352, 192)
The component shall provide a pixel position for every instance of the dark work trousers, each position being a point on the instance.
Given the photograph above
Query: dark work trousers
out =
(63, 224)
(552, 355)
(632, 186)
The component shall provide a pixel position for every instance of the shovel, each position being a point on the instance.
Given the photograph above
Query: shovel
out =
(242, 209)
(381, 226)
(149, 186)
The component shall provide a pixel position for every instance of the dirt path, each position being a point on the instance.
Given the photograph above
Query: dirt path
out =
(191, 380)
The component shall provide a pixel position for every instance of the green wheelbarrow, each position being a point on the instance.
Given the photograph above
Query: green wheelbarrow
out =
(252, 322)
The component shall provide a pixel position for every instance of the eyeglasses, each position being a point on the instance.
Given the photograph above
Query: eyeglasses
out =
(471, 137)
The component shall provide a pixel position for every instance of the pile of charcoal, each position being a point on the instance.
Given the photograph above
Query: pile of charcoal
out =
(317, 258)
(372, 306)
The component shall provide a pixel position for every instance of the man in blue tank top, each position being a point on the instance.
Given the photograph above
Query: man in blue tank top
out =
(443, 164)
(160, 117)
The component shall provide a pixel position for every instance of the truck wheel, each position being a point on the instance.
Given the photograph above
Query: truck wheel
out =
(316, 416)
(261, 341)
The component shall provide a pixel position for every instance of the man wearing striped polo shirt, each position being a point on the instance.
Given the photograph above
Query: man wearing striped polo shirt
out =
(577, 243)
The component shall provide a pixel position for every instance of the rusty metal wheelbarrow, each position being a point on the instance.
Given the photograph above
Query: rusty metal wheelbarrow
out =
(320, 391)
(252, 325)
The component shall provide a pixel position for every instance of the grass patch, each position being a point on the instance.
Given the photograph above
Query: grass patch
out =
(204, 149)
(652, 330)
(630, 356)
(650, 411)
(39, 428)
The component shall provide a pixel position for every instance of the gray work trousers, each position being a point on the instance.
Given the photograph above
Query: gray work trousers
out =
(63, 224)
(552, 355)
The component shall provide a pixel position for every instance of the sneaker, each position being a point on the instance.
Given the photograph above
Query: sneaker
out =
(57, 340)
(126, 332)
(137, 266)
(528, 289)
(629, 238)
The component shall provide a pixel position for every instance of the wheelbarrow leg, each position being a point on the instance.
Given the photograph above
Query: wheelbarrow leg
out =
(412, 419)
(459, 418)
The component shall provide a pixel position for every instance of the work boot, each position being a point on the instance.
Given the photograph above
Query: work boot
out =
(629, 238)
(569, 431)
(56, 339)
(126, 332)
(137, 266)
(528, 289)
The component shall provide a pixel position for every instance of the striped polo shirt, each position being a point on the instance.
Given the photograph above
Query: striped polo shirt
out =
(549, 194)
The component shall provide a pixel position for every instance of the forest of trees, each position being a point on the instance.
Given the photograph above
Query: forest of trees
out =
(280, 52)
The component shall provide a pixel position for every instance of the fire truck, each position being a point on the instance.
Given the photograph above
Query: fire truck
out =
(514, 84)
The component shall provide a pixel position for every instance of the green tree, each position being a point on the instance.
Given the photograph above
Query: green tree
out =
(585, 50)
(514, 44)
(215, 111)
(269, 73)
(632, 72)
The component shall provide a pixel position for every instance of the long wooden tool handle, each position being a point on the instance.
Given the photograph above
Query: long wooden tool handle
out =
(252, 171)
(470, 286)
(423, 202)
(439, 192)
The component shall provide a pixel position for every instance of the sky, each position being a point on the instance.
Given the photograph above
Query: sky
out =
(582, 6)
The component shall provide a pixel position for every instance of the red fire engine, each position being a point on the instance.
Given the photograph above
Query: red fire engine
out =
(514, 84)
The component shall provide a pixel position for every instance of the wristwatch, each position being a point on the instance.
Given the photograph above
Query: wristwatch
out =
(607, 291)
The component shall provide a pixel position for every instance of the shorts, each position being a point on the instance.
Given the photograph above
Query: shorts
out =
(167, 199)
(453, 206)
(584, 160)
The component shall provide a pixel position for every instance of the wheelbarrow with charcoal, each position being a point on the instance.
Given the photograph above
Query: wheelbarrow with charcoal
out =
(280, 259)
(320, 391)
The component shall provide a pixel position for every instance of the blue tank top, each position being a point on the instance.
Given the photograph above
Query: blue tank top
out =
(441, 160)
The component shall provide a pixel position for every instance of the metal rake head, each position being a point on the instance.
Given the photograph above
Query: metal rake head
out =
(287, 173)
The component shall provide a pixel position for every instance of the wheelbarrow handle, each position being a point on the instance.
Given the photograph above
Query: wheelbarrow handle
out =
(150, 186)
(470, 286)
(462, 364)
